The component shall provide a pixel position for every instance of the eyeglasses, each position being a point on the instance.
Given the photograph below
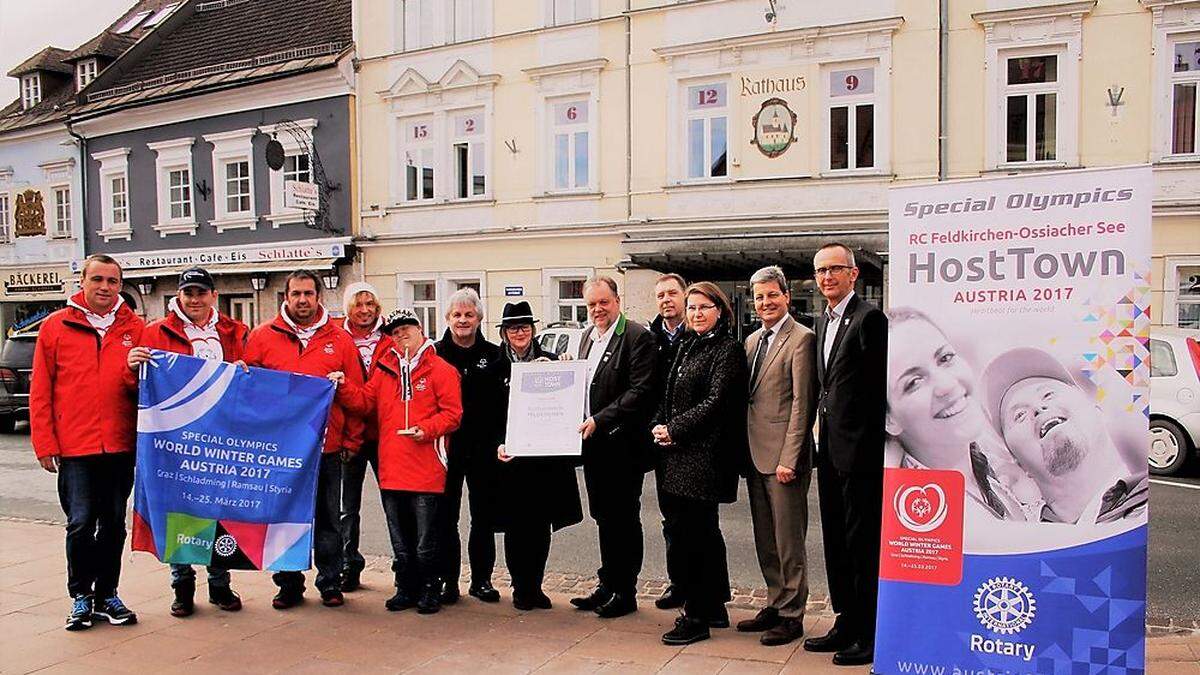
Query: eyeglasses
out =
(701, 308)
(519, 328)
(832, 269)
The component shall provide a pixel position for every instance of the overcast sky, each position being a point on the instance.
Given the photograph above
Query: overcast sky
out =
(26, 26)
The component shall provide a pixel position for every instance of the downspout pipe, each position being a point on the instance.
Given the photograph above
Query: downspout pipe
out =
(83, 183)
(943, 82)
(628, 115)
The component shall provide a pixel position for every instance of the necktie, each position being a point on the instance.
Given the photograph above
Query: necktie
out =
(982, 471)
(760, 353)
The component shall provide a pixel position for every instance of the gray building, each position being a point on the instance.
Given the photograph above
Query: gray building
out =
(223, 139)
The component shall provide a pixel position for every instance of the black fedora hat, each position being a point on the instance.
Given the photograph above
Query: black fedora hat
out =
(517, 313)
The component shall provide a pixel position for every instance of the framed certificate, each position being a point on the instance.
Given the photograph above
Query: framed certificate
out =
(545, 408)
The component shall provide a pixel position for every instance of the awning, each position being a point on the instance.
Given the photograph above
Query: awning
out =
(280, 266)
(737, 255)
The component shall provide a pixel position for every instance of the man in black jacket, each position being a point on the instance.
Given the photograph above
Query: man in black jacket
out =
(472, 457)
(621, 370)
(851, 354)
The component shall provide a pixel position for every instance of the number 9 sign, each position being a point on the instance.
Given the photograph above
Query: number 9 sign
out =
(851, 82)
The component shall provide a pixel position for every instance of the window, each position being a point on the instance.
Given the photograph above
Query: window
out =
(297, 168)
(119, 200)
(85, 72)
(298, 140)
(706, 130)
(160, 15)
(133, 22)
(418, 159)
(469, 156)
(571, 306)
(31, 91)
(852, 119)
(1188, 299)
(468, 19)
(1185, 115)
(237, 187)
(62, 212)
(570, 142)
(424, 294)
(1031, 109)
(569, 11)
(5, 223)
(1162, 360)
(180, 193)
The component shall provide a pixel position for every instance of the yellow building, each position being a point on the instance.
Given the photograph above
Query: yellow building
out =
(521, 146)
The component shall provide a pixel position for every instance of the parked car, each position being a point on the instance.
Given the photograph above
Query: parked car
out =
(1174, 398)
(561, 337)
(16, 363)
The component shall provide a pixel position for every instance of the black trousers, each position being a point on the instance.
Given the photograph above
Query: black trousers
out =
(327, 535)
(700, 549)
(481, 540)
(614, 492)
(354, 472)
(670, 543)
(851, 507)
(526, 548)
(94, 492)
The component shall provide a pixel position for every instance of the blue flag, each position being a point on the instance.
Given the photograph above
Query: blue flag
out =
(227, 463)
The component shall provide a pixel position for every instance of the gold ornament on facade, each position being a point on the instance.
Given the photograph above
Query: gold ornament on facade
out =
(30, 215)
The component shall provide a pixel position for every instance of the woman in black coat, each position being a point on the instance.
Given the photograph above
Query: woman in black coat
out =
(534, 495)
(700, 430)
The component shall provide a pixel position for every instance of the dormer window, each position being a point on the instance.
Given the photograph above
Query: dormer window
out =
(31, 91)
(85, 72)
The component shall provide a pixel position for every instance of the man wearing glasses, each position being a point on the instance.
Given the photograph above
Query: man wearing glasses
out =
(851, 405)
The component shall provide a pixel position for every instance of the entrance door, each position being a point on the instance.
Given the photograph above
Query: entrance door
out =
(243, 308)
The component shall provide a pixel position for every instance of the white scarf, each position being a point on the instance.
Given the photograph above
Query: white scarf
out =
(407, 366)
(101, 322)
(366, 346)
(206, 342)
(304, 334)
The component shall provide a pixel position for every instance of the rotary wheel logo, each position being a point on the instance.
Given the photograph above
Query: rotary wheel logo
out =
(225, 545)
(1004, 605)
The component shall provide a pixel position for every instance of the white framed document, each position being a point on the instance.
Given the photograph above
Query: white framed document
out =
(545, 408)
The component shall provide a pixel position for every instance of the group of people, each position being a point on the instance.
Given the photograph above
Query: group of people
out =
(682, 397)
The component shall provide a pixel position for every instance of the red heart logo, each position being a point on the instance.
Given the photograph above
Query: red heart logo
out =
(921, 508)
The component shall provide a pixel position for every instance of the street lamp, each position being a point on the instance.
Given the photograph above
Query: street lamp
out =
(145, 286)
(258, 281)
(330, 279)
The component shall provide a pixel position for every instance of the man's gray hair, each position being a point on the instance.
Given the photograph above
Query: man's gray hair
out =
(768, 274)
(465, 296)
(849, 251)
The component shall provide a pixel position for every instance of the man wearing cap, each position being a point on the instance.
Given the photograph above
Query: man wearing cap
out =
(1057, 433)
(414, 397)
(361, 303)
(303, 340)
(193, 326)
(82, 422)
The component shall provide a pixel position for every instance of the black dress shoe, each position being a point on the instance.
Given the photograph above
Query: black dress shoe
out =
(766, 619)
(788, 630)
(835, 640)
(859, 654)
(529, 601)
(719, 618)
(598, 597)
(484, 592)
(450, 593)
(670, 598)
(399, 602)
(619, 604)
(686, 631)
(350, 581)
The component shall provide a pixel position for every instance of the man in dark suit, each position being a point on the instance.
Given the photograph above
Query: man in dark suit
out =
(621, 369)
(851, 351)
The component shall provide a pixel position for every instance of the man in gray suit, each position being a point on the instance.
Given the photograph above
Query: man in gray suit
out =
(779, 422)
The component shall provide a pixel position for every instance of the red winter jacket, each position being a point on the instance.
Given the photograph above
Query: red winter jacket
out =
(167, 334)
(78, 401)
(275, 345)
(436, 407)
(370, 428)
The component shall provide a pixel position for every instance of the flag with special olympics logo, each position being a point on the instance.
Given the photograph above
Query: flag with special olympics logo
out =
(1015, 480)
(227, 463)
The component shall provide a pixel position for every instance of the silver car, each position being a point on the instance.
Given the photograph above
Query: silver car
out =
(1174, 398)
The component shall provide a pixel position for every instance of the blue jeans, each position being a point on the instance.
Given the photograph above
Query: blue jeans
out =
(353, 474)
(327, 536)
(94, 491)
(186, 574)
(412, 519)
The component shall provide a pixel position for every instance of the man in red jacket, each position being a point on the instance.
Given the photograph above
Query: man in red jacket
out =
(303, 340)
(193, 326)
(82, 421)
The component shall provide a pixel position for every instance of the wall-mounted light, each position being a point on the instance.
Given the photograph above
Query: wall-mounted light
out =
(258, 281)
(145, 287)
(330, 278)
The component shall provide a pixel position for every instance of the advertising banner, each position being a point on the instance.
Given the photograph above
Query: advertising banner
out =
(227, 463)
(1015, 480)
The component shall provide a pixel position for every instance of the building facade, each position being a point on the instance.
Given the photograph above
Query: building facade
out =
(198, 143)
(522, 148)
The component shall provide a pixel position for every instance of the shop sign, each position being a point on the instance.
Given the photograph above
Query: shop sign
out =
(300, 195)
(31, 283)
(30, 214)
(241, 255)
(774, 127)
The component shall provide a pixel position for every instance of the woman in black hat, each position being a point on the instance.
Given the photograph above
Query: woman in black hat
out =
(536, 495)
